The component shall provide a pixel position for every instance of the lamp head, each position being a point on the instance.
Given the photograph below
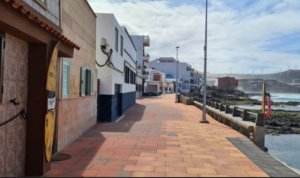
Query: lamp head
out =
(103, 43)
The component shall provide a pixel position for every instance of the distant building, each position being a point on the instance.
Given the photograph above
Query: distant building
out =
(227, 83)
(140, 42)
(155, 83)
(186, 75)
(116, 57)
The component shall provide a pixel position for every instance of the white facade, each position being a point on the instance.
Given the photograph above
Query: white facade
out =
(106, 25)
(168, 66)
(154, 85)
(140, 42)
(117, 73)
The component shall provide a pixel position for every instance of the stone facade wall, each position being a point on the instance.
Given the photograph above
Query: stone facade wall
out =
(13, 134)
(77, 114)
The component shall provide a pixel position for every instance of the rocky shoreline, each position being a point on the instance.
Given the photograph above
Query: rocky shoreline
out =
(283, 122)
(280, 122)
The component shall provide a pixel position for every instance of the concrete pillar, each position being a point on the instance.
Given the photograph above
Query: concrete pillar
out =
(259, 136)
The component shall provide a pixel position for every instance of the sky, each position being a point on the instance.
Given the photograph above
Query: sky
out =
(244, 36)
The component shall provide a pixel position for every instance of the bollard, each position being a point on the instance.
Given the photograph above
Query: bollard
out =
(222, 107)
(259, 131)
(245, 115)
(235, 112)
(260, 120)
(217, 105)
(227, 109)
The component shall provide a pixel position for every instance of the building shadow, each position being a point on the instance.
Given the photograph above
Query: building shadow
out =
(94, 151)
(131, 116)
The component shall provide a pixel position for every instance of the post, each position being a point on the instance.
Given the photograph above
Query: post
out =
(263, 101)
(259, 131)
(227, 109)
(235, 112)
(204, 81)
(176, 95)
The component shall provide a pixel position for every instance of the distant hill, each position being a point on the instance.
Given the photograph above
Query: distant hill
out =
(286, 77)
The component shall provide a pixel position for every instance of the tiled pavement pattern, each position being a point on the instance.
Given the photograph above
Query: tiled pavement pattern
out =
(270, 165)
(157, 137)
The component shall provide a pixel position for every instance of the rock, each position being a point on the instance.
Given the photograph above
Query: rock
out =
(294, 124)
(275, 123)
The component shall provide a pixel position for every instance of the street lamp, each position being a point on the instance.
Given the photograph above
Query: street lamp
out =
(176, 96)
(204, 81)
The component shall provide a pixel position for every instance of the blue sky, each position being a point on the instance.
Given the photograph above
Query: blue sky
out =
(244, 35)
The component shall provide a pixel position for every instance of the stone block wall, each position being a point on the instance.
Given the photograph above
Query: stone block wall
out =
(13, 134)
(78, 113)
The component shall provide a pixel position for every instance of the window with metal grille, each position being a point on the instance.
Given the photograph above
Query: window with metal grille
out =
(87, 82)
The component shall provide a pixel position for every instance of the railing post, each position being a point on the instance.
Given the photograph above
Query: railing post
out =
(235, 112)
(259, 131)
(245, 115)
(222, 108)
(217, 105)
(260, 120)
(227, 109)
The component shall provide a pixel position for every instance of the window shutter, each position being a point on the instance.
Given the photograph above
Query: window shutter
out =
(92, 82)
(66, 80)
(82, 81)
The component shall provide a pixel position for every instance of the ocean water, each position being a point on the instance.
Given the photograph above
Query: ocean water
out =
(274, 108)
(281, 97)
(286, 148)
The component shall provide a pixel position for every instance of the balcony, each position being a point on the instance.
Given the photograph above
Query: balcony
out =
(146, 64)
(146, 41)
(146, 57)
(145, 74)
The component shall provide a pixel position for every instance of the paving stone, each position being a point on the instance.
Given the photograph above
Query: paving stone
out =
(159, 138)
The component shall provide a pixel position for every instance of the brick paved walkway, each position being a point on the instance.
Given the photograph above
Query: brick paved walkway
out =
(157, 138)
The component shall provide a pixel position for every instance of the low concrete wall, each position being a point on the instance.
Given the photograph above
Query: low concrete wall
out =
(254, 131)
(186, 100)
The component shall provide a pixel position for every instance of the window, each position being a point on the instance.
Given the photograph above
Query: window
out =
(87, 82)
(65, 79)
(1, 65)
(127, 74)
(156, 77)
(116, 39)
(122, 46)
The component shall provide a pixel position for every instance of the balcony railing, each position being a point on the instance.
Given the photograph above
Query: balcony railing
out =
(146, 57)
(146, 41)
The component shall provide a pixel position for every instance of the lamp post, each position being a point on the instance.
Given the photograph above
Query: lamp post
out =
(204, 81)
(176, 95)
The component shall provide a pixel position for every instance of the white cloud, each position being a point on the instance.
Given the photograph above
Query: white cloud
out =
(236, 36)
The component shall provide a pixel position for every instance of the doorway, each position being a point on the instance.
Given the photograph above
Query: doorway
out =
(118, 96)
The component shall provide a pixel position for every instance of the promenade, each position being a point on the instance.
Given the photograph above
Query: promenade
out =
(157, 137)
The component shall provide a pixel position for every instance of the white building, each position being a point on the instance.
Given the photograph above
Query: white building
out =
(155, 82)
(116, 58)
(186, 77)
(140, 42)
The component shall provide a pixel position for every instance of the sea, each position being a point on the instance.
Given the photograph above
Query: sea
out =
(281, 97)
(285, 148)
(276, 97)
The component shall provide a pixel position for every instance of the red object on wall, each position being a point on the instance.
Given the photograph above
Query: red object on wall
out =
(228, 83)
